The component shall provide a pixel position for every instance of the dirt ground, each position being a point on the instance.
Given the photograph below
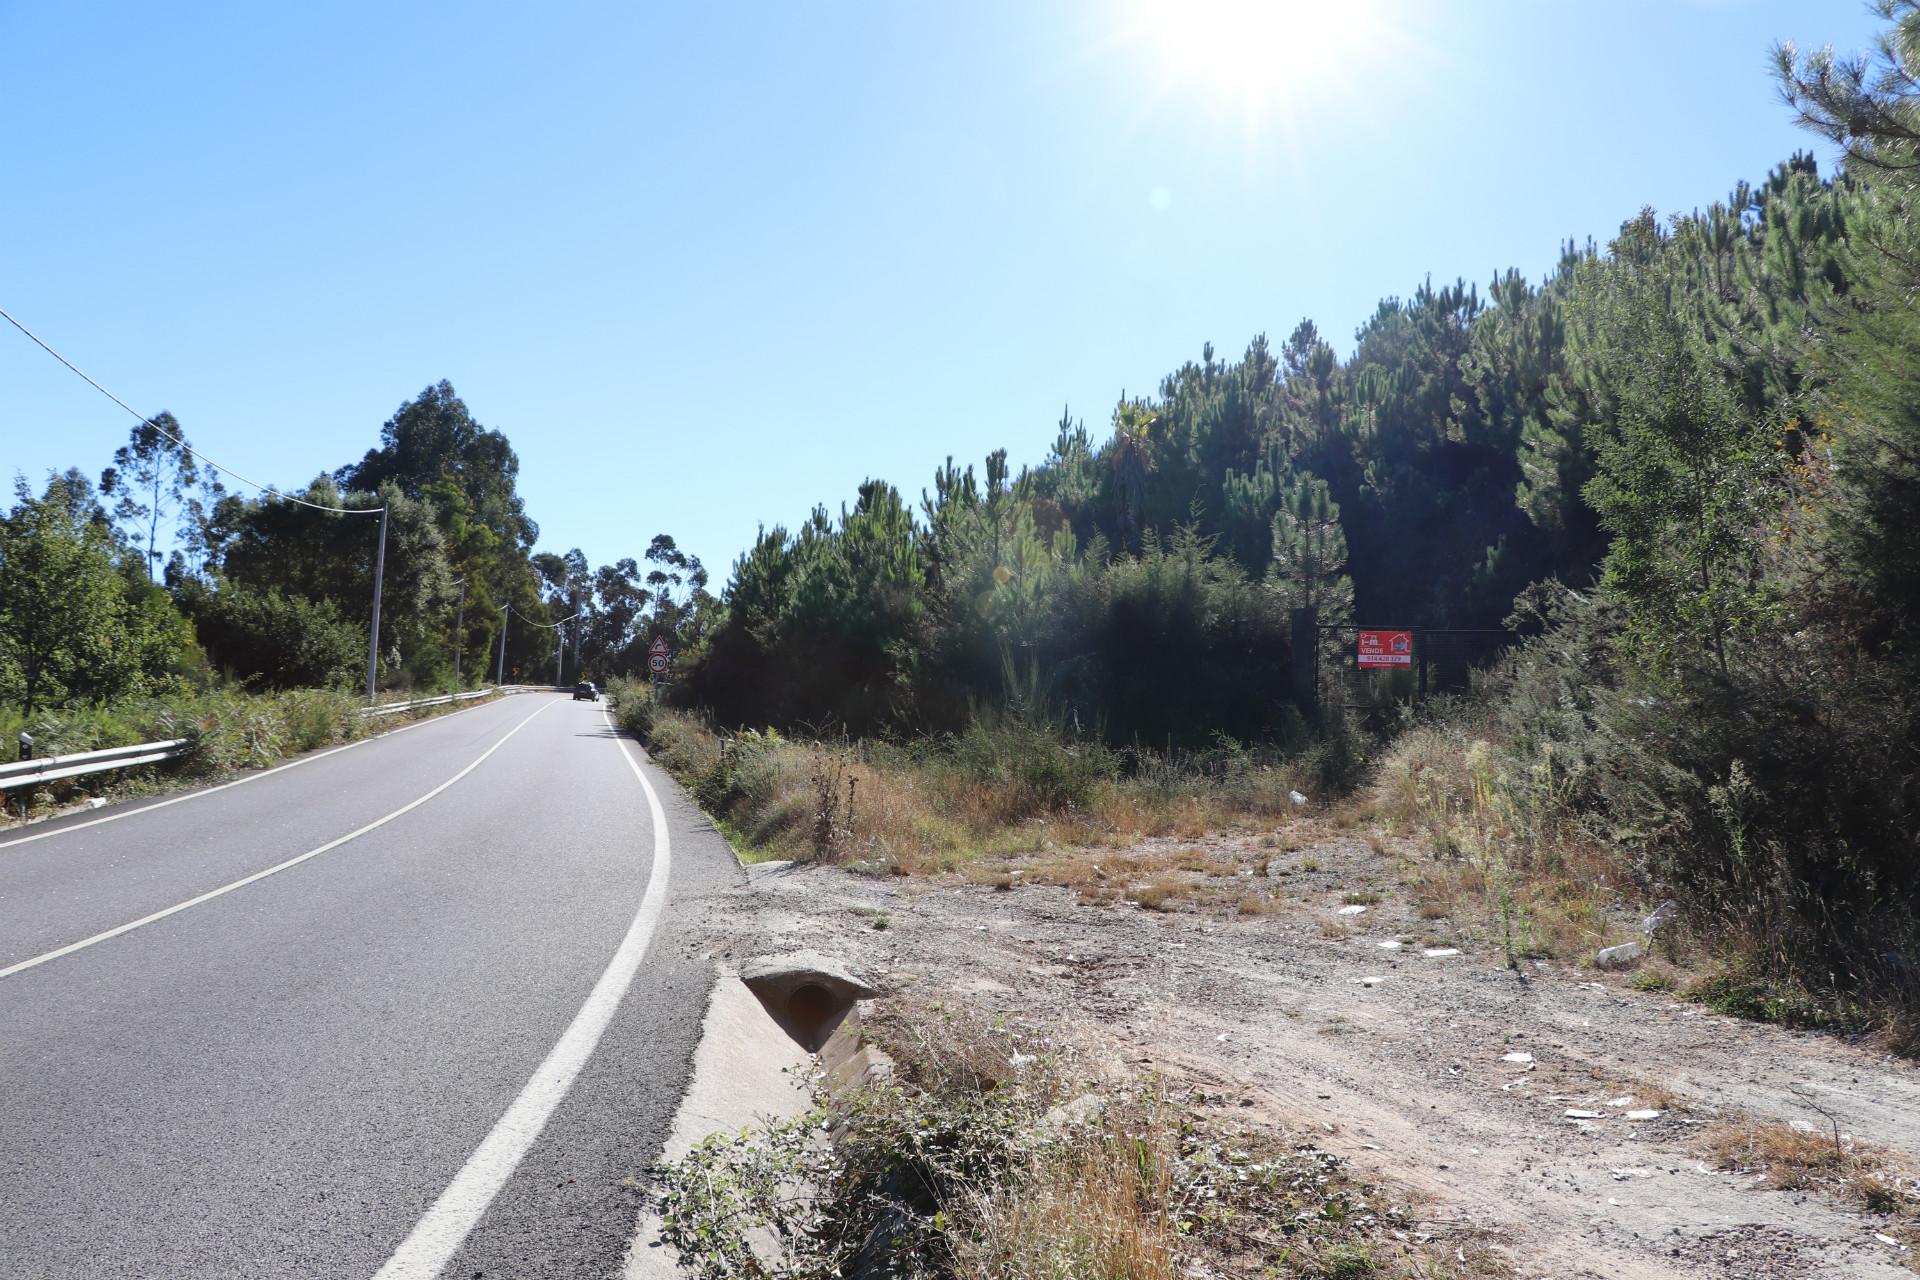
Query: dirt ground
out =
(1407, 1064)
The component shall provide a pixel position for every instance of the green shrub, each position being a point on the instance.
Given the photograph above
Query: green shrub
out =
(269, 640)
(318, 717)
(633, 705)
(1031, 770)
(1774, 799)
(68, 730)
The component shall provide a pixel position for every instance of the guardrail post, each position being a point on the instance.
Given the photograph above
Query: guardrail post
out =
(26, 745)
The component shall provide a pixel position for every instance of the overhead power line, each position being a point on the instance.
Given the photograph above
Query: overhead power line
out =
(182, 445)
(546, 625)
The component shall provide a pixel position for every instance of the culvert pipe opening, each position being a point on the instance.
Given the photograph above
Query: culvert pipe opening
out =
(805, 994)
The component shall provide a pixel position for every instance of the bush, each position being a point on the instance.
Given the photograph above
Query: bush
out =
(633, 705)
(1027, 768)
(268, 640)
(64, 731)
(1775, 800)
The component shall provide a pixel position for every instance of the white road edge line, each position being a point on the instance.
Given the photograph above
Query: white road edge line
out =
(438, 1236)
(275, 869)
(237, 782)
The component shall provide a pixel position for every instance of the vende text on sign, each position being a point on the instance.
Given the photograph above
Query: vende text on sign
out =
(1386, 649)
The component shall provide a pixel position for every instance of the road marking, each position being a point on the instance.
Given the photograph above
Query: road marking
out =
(278, 867)
(437, 1236)
(237, 782)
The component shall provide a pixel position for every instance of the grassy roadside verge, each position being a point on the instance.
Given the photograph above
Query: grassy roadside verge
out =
(1004, 788)
(1490, 848)
(229, 731)
(1008, 803)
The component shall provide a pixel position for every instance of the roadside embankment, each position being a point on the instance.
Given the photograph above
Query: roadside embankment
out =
(1401, 987)
(1459, 1117)
(226, 732)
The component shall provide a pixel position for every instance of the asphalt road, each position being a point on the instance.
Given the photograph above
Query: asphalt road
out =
(425, 1049)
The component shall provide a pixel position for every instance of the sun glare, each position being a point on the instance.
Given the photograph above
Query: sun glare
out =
(1267, 61)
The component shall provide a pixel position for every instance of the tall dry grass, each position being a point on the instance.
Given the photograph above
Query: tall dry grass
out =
(1502, 845)
(1003, 789)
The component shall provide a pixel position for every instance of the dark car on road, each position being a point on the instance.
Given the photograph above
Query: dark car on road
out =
(586, 690)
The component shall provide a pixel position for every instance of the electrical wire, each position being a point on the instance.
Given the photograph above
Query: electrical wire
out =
(182, 445)
(544, 625)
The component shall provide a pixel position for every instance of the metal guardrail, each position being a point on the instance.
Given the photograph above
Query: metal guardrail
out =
(418, 703)
(54, 768)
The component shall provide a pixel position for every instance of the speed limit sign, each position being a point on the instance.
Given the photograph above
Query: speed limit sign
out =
(658, 657)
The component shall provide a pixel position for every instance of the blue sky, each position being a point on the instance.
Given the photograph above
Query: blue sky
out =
(709, 264)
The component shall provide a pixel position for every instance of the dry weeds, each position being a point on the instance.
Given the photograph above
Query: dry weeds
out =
(1817, 1158)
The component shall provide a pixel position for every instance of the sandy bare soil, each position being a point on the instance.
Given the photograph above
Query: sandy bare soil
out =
(1397, 1060)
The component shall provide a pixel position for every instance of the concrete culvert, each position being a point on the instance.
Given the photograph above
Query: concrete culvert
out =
(806, 994)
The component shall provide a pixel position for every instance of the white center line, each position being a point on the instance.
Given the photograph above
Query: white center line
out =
(437, 1236)
(278, 867)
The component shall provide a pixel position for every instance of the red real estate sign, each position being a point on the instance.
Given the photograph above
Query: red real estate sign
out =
(1386, 649)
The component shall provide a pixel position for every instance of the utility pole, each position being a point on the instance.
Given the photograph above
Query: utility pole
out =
(459, 632)
(500, 673)
(559, 651)
(379, 577)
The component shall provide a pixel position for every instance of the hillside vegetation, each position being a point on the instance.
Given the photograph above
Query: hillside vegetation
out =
(1683, 467)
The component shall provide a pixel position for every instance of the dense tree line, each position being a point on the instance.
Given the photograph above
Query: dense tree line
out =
(274, 591)
(1469, 445)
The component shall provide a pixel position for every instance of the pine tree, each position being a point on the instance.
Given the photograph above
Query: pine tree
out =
(1310, 550)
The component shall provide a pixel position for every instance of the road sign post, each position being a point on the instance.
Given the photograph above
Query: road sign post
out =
(659, 659)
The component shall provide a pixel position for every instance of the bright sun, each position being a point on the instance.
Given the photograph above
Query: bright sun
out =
(1262, 57)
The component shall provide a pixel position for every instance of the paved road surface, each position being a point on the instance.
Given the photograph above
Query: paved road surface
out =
(423, 1050)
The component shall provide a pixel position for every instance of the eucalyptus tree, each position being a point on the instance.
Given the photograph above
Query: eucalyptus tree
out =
(155, 477)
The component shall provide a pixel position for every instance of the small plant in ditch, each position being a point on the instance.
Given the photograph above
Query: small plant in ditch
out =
(834, 787)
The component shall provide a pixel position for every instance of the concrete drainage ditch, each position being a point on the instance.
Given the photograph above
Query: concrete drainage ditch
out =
(775, 1014)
